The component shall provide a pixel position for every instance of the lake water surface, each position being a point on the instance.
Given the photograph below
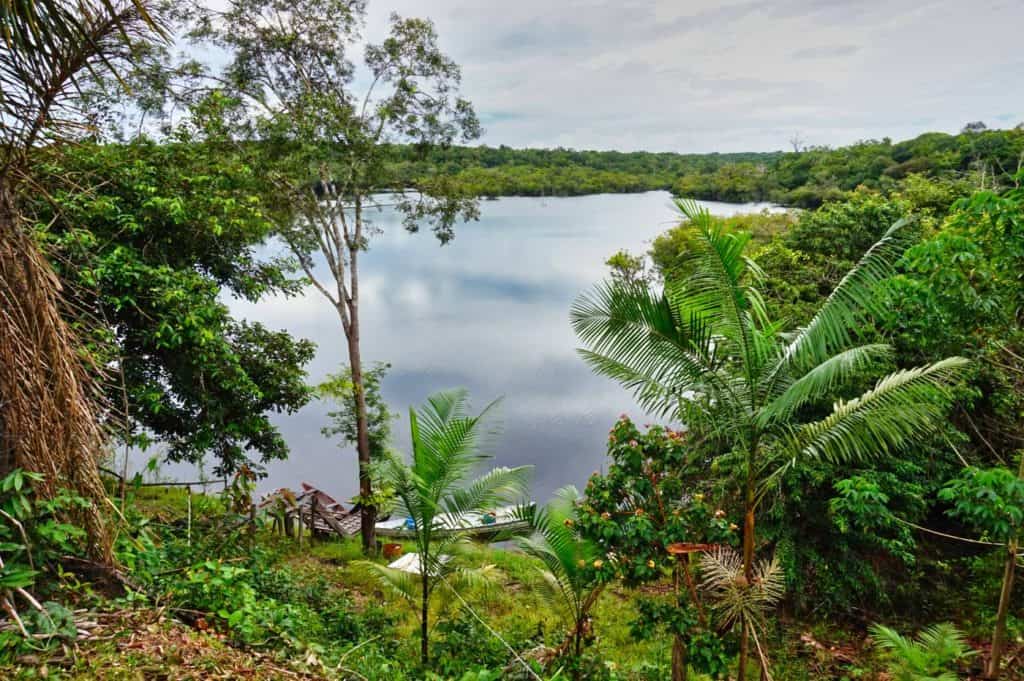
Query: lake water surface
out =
(489, 311)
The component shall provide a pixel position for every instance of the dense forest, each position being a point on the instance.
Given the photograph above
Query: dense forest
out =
(830, 485)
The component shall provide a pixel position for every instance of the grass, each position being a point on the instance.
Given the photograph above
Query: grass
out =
(512, 604)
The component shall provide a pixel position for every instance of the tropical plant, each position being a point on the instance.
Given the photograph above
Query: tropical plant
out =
(969, 271)
(931, 656)
(704, 350)
(434, 492)
(992, 500)
(571, 563)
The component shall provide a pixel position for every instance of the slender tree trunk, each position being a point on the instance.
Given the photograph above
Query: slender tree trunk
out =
(999, 634)
(1005, 594)
(424, 624)
(368, 513)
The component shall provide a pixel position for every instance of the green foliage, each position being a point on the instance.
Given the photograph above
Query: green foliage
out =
(627, 267)
(147, 257)
(862, 506)
(339, 389)
(705, 351)
(841, 231)
(36, 534)
(932, 656)
(706, 651)
(655, 492)
(503, 171)
(804, 179)
(991, 500)
(463, 648)
(35, 531)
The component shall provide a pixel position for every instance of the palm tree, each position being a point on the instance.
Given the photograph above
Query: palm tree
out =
(432, 490)
(568, 562)
(704, 351)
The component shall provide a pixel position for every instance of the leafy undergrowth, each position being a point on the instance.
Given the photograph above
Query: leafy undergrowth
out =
(211, 601)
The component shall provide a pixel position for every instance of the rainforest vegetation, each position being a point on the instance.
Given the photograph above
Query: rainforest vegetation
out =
(804, 177)
(831, 484)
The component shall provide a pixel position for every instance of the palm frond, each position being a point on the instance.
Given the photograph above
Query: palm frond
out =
(564, 554)
(901, 406)
(719, 284)
(823, 380)
(497, 486)
(854, 299)
(658, 348)
(404, 585)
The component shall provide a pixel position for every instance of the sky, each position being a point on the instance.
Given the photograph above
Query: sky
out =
(735, 75)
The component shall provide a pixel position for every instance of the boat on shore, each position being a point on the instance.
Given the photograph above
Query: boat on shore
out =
(500, 523)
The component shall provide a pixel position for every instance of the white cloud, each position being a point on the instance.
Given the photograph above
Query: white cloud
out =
(704, 75)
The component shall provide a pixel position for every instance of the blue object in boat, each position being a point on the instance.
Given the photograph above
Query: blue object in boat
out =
(410, 524)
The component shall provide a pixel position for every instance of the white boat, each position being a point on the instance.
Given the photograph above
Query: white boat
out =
(507, 520)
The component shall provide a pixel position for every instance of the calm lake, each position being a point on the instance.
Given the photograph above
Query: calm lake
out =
(489, 311)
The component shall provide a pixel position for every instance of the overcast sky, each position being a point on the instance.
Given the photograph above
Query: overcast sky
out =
(735, 75)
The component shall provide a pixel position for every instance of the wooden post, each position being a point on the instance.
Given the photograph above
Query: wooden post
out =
(312, 518)
(289, 523)
(252, 526)
(188, 505)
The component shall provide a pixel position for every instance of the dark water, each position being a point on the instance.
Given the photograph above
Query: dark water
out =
(490, 312)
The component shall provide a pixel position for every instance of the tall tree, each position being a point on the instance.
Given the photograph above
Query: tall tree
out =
(704, 351)
(327, 141)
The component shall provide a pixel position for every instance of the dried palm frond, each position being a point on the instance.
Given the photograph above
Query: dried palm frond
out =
(49, 404)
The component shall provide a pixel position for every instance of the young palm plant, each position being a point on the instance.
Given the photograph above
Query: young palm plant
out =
(932, 656)
(432, 490)
(704, 351)
(569, 561)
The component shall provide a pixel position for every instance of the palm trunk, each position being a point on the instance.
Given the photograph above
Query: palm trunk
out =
(424, 624)
(1005, 594)
(748, 568)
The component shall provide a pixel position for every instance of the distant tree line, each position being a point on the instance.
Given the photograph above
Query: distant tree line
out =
(806, 177)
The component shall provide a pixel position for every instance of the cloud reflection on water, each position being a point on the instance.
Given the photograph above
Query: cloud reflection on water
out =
(489, 312)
